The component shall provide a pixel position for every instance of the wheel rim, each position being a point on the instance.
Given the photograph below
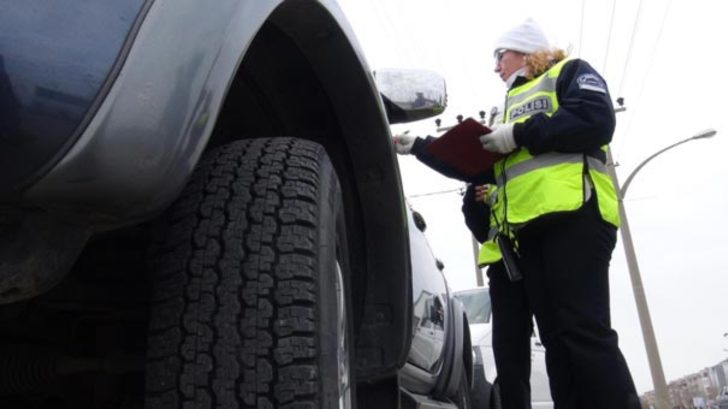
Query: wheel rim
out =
(343, 337)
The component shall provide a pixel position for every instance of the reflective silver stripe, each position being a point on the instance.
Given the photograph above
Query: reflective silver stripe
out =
(588, 186)
(596, 164)
(545, 84)
(545, 160)
(492, 232)
(540, 161)
(492, 196)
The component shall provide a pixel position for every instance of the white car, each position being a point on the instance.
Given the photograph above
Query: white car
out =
(476, 303)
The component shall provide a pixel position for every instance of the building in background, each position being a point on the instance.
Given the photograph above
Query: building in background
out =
(707, 388)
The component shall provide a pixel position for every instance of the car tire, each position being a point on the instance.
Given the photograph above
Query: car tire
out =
(250, 307)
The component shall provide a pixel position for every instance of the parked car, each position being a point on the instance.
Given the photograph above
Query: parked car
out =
(200, 207)
(476, 302)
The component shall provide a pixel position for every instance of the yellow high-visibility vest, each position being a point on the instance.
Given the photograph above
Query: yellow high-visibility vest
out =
(489, 253)
(530, 186)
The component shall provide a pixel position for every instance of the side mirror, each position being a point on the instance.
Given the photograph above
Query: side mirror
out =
(411, 95)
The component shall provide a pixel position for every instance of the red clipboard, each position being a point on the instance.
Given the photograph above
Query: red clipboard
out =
(460, 149)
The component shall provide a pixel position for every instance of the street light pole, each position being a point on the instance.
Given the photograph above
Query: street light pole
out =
(478, 272)
(700, 135)
(648, 334)
(653, 356)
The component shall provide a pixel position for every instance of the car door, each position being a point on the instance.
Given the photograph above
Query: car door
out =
(429, 296)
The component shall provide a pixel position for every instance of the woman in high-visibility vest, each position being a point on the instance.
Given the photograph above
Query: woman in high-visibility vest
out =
(560, 210)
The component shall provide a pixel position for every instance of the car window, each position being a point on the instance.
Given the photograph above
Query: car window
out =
(477, 305)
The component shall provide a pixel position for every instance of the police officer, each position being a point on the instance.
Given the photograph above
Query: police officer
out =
(560, 212)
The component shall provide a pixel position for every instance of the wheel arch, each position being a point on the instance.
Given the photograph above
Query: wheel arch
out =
(303, 75)
(460, 353)
(468, 353)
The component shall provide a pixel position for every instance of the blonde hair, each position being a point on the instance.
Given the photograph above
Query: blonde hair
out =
(538, 62)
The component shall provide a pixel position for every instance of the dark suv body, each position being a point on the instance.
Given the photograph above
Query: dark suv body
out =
(200, 207)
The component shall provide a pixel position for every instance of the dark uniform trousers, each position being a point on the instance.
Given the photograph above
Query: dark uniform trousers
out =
(512, 329)
(565, 262)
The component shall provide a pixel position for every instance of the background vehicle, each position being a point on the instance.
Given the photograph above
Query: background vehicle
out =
(476, 302)
(200, 207)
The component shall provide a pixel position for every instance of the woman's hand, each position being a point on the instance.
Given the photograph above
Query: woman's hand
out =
(403, 143)
(500, 140)
(481, 192)
(485, 194)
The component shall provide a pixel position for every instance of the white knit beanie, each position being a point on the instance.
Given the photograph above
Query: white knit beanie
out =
(526, 38)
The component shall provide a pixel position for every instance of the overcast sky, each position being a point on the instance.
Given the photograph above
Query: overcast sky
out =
(666, 58)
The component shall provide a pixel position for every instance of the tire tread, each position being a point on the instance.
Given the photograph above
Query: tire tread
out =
(234, 309)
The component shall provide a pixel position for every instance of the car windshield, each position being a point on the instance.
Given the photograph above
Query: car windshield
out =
(477, 305)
